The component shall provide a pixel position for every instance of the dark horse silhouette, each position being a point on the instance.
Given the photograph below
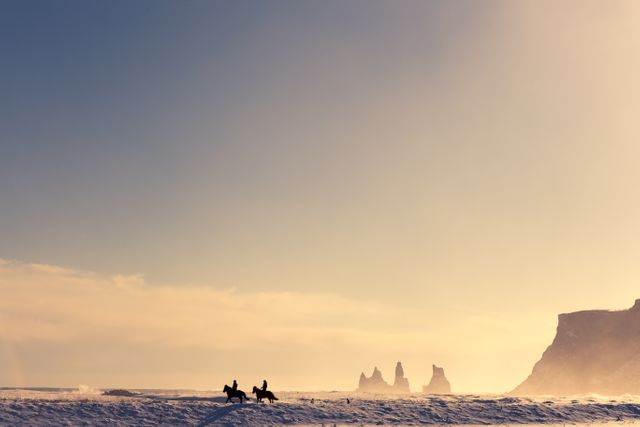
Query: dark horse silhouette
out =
(234, 393)
(261, 394)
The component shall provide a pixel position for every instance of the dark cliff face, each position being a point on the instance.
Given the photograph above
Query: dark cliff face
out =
(594, 351)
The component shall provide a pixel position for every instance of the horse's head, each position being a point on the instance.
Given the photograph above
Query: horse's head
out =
(255, 389)
(226, 388)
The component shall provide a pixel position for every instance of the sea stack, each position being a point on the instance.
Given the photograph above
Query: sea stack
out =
(438, 384)
(401, 384)
(594, 351)
(376, 384)
(373, 384)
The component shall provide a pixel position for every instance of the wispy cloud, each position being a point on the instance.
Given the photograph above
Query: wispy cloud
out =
(56, 320)
(52, 303)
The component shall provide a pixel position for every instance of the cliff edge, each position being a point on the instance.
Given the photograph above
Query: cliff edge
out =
(595, 351)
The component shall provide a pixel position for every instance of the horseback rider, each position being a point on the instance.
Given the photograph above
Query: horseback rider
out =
(264, 385)
(235, 385)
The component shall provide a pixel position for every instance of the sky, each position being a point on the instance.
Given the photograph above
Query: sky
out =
(192, 192)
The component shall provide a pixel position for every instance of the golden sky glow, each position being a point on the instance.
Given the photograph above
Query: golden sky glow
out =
(340, 186)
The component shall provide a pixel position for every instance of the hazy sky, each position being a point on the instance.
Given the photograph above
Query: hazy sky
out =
(336, 184)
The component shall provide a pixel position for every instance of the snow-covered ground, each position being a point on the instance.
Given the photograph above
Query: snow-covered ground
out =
(88, 407)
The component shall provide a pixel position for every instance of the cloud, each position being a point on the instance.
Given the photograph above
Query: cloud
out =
(60, 326)
(52, 303)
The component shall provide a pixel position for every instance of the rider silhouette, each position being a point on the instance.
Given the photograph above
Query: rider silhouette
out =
(264, 385)
(235, 385)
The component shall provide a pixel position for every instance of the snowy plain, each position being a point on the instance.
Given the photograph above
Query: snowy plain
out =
(85, 407)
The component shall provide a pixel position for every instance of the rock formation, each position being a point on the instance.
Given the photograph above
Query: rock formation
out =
(595, 351)
(401, 384)
(438, 384)
(376, 384)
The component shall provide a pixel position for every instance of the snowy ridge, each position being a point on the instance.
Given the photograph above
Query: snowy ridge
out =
(202, 408)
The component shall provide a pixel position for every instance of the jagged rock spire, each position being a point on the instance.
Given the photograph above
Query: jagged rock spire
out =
(376, 384)
(438, 384)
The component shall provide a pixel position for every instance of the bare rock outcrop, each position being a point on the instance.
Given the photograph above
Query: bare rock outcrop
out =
(595, 351)
(376, 384)
(439, 384)
(401, 384)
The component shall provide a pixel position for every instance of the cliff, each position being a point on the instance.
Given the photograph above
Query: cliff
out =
(595, 351)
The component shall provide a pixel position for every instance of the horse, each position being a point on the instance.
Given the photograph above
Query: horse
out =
(234, 393)
(261, 394)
